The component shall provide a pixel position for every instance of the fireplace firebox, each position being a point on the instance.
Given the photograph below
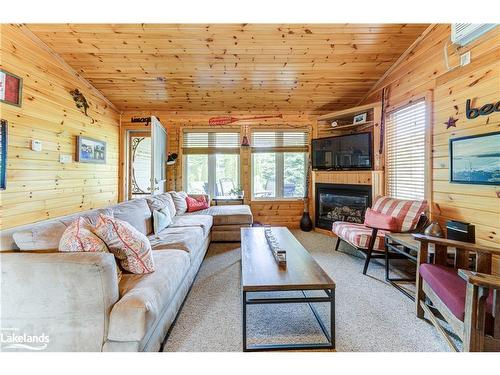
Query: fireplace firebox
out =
(340, 202)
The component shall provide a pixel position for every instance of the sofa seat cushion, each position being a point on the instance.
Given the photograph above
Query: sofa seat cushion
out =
(182, 238)
(449, 287)
(144, 297)
(228, 215)
(358, 235)
(203, 221)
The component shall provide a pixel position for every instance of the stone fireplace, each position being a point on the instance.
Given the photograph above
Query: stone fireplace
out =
(341, 202)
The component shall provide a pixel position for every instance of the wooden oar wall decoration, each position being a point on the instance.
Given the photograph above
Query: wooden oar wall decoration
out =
(225, 120)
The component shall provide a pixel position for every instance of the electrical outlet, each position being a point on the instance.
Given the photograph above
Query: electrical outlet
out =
(36, 145)
(65, 158)
(465, 59)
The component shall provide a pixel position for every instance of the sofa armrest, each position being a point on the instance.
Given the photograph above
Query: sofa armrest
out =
(65, 296)
(207, 197)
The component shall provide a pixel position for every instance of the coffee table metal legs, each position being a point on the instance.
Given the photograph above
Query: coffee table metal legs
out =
(329, 334)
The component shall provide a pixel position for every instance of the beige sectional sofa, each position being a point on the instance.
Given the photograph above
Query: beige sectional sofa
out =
(77, 300)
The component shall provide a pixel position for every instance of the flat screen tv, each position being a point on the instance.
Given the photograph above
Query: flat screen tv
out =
(344, 152)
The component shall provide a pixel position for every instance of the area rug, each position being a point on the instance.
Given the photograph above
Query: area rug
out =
(371, 315)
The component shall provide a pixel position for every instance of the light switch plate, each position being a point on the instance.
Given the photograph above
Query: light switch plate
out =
(36, 145)
(465, 59)
(65, 158)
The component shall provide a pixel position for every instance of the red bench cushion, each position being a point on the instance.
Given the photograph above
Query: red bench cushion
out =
(449, 287)
(358, 235)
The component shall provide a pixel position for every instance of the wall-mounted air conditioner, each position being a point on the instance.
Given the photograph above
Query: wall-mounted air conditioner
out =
(464, 33)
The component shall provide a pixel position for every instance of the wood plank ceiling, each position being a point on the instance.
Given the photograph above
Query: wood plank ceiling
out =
(230, 67)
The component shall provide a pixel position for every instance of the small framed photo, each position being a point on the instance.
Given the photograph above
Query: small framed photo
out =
(89, 150)
(359, 119)
(10, 88)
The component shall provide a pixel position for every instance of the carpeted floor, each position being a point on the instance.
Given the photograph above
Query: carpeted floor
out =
(371, 315)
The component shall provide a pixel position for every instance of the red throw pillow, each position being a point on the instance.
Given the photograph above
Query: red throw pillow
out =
(196, 204)
(374, 219)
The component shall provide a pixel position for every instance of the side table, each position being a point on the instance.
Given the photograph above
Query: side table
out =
(403, 246)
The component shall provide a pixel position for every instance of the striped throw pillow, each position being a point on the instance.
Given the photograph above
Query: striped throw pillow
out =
(406, 212)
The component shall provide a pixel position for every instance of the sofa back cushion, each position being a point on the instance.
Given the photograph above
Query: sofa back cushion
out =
(160, 201)
(47, 234)
(135, 212)
(42, 236)
(131, 247)
(406, 212)
(170, 204)
(91, 216)
(179, 198)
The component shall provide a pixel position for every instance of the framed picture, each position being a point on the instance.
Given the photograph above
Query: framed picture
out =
(3, 154)
(475, 159)
(10, 88)
(359, 119)
(90, 150)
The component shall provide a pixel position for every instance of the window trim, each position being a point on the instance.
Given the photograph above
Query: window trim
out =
(427, 97)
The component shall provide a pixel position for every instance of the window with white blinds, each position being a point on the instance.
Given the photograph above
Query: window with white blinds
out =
(294, 141)
(211, 142)
(405, 151)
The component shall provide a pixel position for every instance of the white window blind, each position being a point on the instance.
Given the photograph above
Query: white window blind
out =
(211, 142)
(405, 152)
(290, 141)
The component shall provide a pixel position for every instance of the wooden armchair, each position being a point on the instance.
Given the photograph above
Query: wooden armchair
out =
(463, 292)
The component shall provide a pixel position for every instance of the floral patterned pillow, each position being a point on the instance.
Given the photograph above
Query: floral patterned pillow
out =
(129, 246)
(78, 236)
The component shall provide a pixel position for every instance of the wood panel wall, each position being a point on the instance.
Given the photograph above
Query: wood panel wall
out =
(278, 212)
(423, 70)
(39, 187)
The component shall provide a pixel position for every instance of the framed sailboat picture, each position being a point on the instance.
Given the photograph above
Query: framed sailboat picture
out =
(475, 159)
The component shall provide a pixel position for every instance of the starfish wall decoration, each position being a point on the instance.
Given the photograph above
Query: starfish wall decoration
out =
(451, 123)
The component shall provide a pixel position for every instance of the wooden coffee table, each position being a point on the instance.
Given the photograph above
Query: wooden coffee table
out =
(260, 273)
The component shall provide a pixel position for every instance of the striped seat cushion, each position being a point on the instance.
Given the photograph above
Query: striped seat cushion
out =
(406, 212)
(358, 235)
